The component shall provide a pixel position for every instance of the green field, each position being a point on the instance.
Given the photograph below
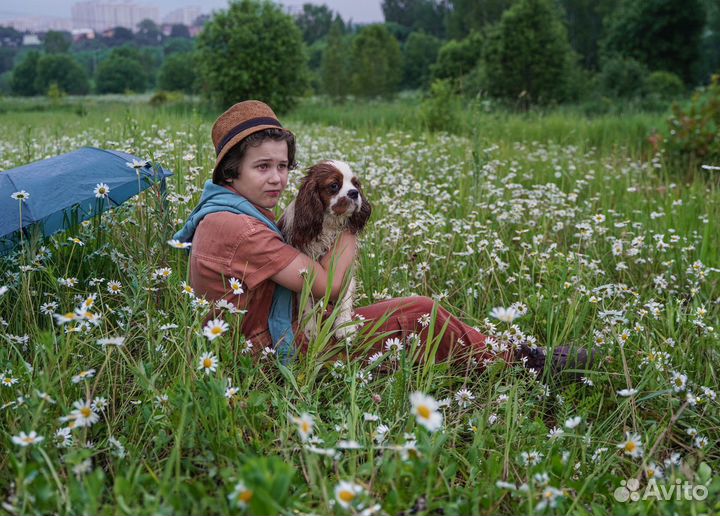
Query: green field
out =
(569, 218)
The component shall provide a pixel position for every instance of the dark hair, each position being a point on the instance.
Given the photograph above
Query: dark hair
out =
(230, 165)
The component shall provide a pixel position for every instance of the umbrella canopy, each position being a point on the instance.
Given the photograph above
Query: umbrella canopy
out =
(62, 188)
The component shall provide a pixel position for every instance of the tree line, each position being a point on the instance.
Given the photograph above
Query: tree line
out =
(525, 51)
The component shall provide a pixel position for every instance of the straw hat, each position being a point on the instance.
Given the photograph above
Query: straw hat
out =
(237, 123)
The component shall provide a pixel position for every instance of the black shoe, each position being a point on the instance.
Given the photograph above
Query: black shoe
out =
(564, 357)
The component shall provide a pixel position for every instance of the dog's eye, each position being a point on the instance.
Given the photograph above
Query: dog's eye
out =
(334, 187)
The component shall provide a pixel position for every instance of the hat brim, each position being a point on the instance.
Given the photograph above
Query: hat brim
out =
(233, 142)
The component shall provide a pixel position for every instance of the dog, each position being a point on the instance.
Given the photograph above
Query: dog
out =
(330, 201)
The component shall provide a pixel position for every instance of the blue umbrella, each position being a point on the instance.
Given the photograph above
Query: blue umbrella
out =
(61, 190)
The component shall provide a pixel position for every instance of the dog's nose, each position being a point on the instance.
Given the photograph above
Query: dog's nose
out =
(353, 194)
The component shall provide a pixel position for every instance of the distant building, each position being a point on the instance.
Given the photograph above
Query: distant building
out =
(38, 24)
(82, 34)
(183, 16)
(100, 16)
(30, 40)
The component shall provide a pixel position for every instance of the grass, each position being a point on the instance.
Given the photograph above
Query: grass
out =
(569, 219)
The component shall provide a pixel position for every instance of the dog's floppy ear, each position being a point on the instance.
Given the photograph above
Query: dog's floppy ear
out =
(359, 219)
(309, 212)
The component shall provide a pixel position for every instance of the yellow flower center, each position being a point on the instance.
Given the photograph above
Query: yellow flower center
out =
(89, 301)
(85, 411)
(70, 315)
(207, 363)
(305, 427)
(28, 439)
(630, 446)
(217, 330)
(245, 496)
(188, 288)
(424, 412)
(346, 496)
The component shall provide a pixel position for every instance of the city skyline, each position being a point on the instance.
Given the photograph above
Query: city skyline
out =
(359, 12)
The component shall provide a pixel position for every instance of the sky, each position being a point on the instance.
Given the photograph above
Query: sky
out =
(361, 11)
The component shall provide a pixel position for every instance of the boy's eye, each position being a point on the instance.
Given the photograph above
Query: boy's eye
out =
(262, 166)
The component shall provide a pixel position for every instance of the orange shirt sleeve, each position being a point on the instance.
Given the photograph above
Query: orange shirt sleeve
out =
(260, 254)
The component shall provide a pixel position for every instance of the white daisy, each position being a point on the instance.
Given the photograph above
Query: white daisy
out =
(22, 195)
(101, 190)
(208, 362)
(346, 493)
(24, 439)
(425, 410)
(213, 329)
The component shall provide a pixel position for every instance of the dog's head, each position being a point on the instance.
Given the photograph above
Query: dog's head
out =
(329, 188)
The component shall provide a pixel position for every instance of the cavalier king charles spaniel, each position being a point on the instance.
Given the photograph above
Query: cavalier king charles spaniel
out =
(330, 201)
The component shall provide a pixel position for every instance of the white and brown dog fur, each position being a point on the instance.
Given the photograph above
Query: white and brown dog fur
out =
(330, 200)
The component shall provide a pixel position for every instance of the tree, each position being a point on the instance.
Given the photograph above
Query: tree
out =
(710, 44)
(178, 30)
(417, 15)
(253, 51)
(455, 59)
(178, 45)
(419, 53)
(661, 34)
(314, 22)
(466, 16)
(148, 33)
(178, 73)
(376, 62)
(7, 58)
(119, 36)
(57, 42)
(122, 71)
(528, 57)
(586, 22)
(22, 81)
(62, 70)
(334, 72)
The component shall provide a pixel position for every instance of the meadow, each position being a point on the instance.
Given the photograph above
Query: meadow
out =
(573, 222)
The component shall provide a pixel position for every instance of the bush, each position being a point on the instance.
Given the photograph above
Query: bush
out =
(665, 85)
(528, 57)
(456, 59)
(119, 74)
(22, 81)
(253, 51)
(376, 62)
(419, 53)
(438, 111)
(693, 136)
(178, 73)
(623, 77)
(64, 71)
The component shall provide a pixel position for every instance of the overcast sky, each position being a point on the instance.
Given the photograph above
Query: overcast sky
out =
(361, 11)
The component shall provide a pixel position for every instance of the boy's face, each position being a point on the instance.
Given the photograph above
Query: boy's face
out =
(263, 173)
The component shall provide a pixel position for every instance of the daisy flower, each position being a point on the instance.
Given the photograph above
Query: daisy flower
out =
(507, 315)
(241, 495)
(24, 439)
(425, 410)
(187, 289)
(550, 496)
(63, 438)
(231, 392)
(627, 392)
(89, 373)
(208, 362)
(7, 380)
(177, 244)
(678, 381)
(114, 287)
(3, 290)
(700, 442)
(464, 398)
(236, 286)
(305, 424)
(632, 445)
(111, 341)
(76, 240)
(213, 329)
(84, 415)
(22, 195)
(137, 164)
(346, 493)
(101, 190)
(573, 422)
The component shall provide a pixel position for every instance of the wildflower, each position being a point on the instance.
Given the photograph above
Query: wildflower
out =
(573, 422)
(101, 190)
(245, 346)
(267, 352)
(464, 398)
(208, 362)
(162, 273)
(632, 445)
(424, 320)
(555, 433)
(83, 468)
(63, 318)
(549, 498)
(63, 438)
(231, 392)
(236, 286)
(114, 287)
(346, 493)
(22, 195)
(627, 392)
(374, 357)
(111, 341)
(166, 327)
(3, 289)
(394, 345)
(82, 375)
(48, 308)
(380, 433)
(187, 289)
(88, 316)
(654, 471)
(700, 442)
(45, 397)
(507, 315)
(531, 458)
(213, 329)
(348, 445)
(305, 425)
(424, 408)
(7, 380)
(241, 495)
(24, 439)
(99, 404)
(83, 415)
(76, 240)
(119, 448)
(370, 417)
(137, 164)
(177, 244)
(587, 381)
(678, 381)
